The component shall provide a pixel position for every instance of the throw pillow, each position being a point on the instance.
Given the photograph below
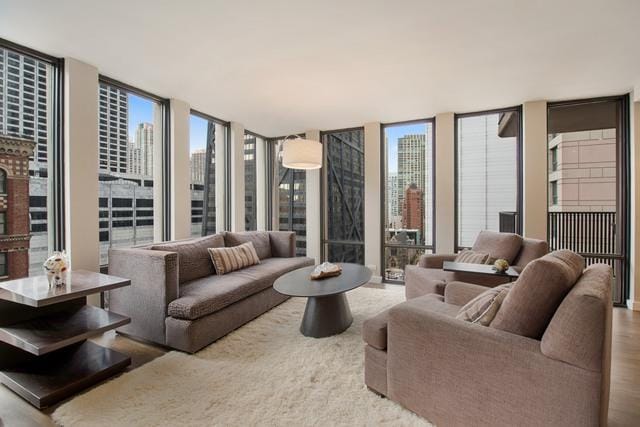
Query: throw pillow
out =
(193, 258)
(227, 260)
(536, 295)
(472, 257)
(483, 308)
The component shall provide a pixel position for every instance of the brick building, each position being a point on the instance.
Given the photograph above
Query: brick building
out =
(412, 212)
(14, 206)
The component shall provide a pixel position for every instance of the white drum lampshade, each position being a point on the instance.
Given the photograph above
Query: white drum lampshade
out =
(302, 153)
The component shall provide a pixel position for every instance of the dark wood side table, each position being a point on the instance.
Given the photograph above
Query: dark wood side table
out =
(327, 311)
(44, 353)
(486, 269)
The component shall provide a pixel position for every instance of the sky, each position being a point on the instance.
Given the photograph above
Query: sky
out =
(392, 133)
(141, 111)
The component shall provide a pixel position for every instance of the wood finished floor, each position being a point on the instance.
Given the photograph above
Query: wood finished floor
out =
(624, 406)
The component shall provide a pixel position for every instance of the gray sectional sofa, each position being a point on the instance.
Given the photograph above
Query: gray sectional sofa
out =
(176, 299)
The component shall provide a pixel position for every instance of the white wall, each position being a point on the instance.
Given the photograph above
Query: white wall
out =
(445, 180)
(314, 230)
(180, 170)
(534, 143)
(372, 198)
(81, 166)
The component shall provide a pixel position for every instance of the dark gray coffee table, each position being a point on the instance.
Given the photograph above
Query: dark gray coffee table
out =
(327, 312)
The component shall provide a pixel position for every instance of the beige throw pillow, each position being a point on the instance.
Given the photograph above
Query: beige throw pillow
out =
(483, 308)
(472, 257)
(227, 260)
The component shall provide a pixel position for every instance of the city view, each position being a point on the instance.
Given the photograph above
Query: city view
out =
(408, 196)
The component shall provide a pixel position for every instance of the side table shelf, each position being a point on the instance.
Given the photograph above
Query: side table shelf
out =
(44, 353)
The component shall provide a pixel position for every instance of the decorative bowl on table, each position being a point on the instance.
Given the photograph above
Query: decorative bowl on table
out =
(500, 266)
(324, 270)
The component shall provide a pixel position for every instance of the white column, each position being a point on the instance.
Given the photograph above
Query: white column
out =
(314, 230)
(534, 172)
(634, 219)
(261, 184)
(237, 177)
(445, 180)
(221, 177)
(180, 171)
(81, 148)
(372, 199)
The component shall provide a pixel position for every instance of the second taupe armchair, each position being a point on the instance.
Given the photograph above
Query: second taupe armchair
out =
(428, 277)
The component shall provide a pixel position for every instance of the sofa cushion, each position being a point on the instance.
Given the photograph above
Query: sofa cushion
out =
(193, 256)
(483, 308)
(226, 260)
(535, 296)
(283, 243)
(531, 249)
(260, 240)
(472, 257)
(498, 245)
(210, 294)
(374, 330)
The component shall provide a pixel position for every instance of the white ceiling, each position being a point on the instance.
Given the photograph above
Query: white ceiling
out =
(283, 66)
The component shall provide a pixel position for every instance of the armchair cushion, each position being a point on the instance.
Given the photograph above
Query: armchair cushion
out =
(535, 296)
(498, 245)
(435, 260)
(483, 308)
(193, 256)
(374, 330)
(260, 239)
(460, 293)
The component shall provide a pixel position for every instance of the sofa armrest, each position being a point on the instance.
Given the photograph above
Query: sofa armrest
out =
(283, 244)
(435, 260)
(458, 373)
(154, 284)
(460, 293)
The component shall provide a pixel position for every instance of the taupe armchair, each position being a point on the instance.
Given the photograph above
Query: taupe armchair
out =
(428, 277)
(458, 373)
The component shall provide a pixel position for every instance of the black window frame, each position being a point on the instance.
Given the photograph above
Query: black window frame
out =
(383, 194)
(519, 173)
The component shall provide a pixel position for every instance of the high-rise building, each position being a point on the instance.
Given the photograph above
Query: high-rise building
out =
(411, 163)
(114, 121)
(393, 212)
(140, 152)
(198, 162)
(412, 209)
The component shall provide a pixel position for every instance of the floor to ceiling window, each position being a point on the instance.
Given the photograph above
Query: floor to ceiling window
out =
(291, 200)
(343, 196)
(488, 180)
(30, 166)
(588, 178)
(131, 163)
(408, 177)
(205, 133)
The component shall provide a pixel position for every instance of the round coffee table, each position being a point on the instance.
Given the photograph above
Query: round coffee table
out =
(327, 312)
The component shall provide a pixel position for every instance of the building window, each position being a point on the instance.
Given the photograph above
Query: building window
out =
(251, 144)
(408, 195)
(554, 159)
(488, 172)
(4, 267)
(3, 223)
(291, 201)
(131, 207)
(343, 196)
(205, 133)
(3, 181)
(554, 192)
(29, 110)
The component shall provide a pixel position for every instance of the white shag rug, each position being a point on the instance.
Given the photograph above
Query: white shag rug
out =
(265, 373)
